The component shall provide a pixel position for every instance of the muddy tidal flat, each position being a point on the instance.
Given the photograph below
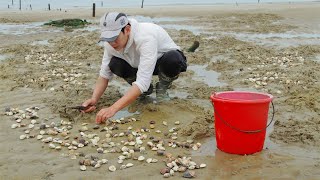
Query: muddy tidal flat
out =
(268, 48)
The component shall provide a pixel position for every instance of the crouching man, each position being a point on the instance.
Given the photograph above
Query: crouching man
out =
(135, 51)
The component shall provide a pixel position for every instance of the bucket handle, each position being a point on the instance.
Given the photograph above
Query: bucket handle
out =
(245, 131)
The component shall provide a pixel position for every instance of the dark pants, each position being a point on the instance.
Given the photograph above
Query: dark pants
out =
(170, 64)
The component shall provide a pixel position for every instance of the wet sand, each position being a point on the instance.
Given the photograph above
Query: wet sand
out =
(52, 68)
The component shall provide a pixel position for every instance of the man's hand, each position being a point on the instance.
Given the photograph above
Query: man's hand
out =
(90, 102)
(105, 114)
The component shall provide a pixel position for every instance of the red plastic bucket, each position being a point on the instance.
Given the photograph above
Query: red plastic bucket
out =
(241, 120)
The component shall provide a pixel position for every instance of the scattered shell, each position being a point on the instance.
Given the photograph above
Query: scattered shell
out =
(120, 161)
(104, 161)
(182, 169)
(203, 165)
(52, 146)
(166, 175)
(129, 165)
(195, 147)
(165, 123)
(149, 160)
(83, 168)
(97, 165)
(23, 136)
(112, 168)
(33, 121)
(39, 137)
(164, 170)
(174, 137)
(158, 131)
(171, 172)
(177, 122)
(141, 158)
(13, 126)
(123, 167)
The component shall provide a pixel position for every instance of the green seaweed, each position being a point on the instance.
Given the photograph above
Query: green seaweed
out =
(74, 23)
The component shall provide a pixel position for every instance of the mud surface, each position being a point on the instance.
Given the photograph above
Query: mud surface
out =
(63, 74)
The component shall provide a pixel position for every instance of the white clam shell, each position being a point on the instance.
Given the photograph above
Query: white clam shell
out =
(141, 158)
(112, 168)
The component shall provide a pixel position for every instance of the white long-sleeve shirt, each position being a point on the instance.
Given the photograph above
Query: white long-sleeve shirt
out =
(147, 42)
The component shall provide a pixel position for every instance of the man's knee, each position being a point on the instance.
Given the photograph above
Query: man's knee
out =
(115, 65)
(173, 63)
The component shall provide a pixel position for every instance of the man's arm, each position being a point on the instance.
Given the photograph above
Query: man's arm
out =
(99, 89)
(101, 86)
(128, 98)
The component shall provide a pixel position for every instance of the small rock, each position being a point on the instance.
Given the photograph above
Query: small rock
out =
(160, 153)
(189, 174)
(43, 126)
(152, 122)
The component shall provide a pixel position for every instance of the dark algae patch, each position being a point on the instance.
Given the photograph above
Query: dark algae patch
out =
(74, 23)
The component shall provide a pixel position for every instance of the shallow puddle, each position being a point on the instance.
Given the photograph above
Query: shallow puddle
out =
(279, 39)
(20, 29)
(3, 57)
(42, 42)
(208, 77)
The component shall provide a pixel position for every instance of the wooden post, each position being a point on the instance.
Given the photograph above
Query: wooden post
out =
(142, 3)
(49, 7)
(12, 2)
(94, 10)
(20, 5)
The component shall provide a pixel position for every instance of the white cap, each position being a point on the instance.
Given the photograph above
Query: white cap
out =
(111, 25)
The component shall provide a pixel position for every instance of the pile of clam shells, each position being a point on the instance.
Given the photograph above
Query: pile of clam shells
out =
(263, 77)
(180, 164)
(69, 78)
(131, 145)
